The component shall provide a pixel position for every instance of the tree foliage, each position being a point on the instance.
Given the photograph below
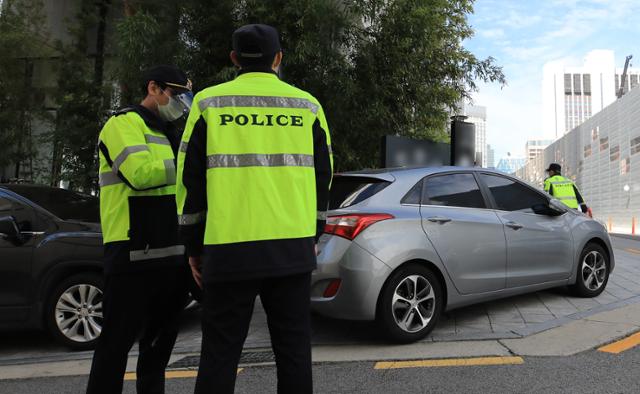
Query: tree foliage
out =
(378, 67)
(82, 96)
(21, 39)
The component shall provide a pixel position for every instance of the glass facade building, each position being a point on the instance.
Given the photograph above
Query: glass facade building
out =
(602, 155)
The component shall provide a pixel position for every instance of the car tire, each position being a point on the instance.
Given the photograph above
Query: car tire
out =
(592, 272)
(404, 314)
(73, 311)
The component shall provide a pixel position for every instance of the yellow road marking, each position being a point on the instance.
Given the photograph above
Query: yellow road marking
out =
(451, 362)
(636, 251)
(622, 345)
(178, 374)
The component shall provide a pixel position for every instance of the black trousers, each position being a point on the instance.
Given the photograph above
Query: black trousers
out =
(226, 315)
(145, 305)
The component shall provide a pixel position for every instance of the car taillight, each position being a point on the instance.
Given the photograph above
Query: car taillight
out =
(349, 226)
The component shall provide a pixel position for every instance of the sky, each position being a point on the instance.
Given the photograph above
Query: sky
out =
(522, 35)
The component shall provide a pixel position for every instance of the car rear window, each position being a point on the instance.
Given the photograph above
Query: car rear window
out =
(65, 204)
(351, 190)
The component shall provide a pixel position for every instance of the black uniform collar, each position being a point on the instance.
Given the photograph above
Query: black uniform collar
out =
(259, 69)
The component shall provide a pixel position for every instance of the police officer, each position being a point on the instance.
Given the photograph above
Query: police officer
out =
(563, 189)
(146, 274)
(254, 171)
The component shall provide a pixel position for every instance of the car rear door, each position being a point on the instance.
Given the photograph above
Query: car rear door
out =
(539, 247)
(468, 237)
(15, 261)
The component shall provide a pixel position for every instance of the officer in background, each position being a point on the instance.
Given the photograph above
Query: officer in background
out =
(564, 189)
(146, 274)
(254, 171)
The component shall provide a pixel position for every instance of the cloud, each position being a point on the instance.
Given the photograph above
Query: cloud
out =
(524, 35)
(492, 33)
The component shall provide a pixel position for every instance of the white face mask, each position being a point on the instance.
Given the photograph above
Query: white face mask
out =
(173, 110)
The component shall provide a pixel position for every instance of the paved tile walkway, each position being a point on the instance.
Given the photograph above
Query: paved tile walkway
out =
(507, 318)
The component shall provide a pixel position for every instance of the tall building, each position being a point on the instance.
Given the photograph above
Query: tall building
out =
(491, 157)
(602, 156)
(535, 147)
(510, 164)
(571, 95)
(477, 115)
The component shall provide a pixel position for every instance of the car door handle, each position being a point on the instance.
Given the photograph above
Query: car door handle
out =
(513, 225)
(438, 219)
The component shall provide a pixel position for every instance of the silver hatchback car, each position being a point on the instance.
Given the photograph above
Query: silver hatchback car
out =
(403, 245)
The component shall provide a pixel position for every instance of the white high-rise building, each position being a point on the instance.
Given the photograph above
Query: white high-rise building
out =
(571, 95)
(535, 147)
(477, 115)
(491, 157)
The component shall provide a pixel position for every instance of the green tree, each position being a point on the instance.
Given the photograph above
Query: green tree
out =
(22, 40)
(83, 98)
(409, 71)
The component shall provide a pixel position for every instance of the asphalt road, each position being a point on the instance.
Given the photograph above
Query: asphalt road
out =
(589, 372)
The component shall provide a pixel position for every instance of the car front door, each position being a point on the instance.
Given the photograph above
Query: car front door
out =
(539, 247)
(15, 261)
(468, 237)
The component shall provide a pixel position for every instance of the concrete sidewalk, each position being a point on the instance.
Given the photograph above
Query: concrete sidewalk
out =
(572, 338)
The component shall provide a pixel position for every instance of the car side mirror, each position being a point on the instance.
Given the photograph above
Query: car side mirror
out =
(549, 209)
(9, 229)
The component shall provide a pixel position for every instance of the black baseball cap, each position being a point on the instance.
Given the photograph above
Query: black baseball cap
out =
(256, 43)
(167, 75)
(554, 167)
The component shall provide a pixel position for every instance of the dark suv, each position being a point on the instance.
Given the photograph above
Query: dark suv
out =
(51, 263)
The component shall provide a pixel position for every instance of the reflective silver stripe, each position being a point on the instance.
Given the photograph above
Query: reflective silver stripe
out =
(322, 215)
(257, 101)
(125, 153)
(183, 146)
(152, 139)
(108, 178)
(188, 219)
(170, 168)
(148, 254)
(562, 183)
(260, 160)
(566, 198)
(330, 150)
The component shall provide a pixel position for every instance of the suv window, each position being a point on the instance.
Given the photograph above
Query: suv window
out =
(453, 190)
(510, 195)
(351, 190)
(24, 215)
(65, 204)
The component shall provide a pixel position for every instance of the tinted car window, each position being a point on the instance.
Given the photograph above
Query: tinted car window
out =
(65, 204)
(350, 190)
(414, 195)
(24, 215)
(454, 190)
(510, 195)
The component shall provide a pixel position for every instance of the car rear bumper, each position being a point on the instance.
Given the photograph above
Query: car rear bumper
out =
(361, 277)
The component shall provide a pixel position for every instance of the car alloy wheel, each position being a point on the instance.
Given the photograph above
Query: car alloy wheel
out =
(593, 270)
(410, 303)
(78, 313)
(413, 303)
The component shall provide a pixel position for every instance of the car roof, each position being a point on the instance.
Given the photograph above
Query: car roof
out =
(401, 172)
(24, 186)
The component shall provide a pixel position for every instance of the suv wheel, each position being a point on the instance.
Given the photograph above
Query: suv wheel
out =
(410, 303)
(593, 272)
(74, 311)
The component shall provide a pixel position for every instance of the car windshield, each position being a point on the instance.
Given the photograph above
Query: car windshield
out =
(351, 190)
(65, 204)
